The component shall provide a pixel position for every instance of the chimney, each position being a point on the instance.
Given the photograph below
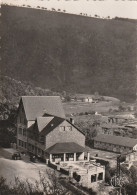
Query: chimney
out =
(72, 120)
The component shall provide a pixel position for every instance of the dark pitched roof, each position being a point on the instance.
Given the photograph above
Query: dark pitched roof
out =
(67, 147)
(52, 125)
(116, 140)
(43, 121)
(56, 121)
(36, 106)
(76, 127)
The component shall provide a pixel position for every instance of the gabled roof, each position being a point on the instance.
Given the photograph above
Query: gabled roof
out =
(76, 127)
(52, 125)
(42, 122)
(36, 106)
(56, 121)
(116, 140)
(67, 147)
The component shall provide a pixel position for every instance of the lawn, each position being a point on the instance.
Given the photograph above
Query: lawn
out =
(82, 107)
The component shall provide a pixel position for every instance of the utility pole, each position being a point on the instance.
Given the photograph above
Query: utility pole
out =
(115, 181)
(118, 173)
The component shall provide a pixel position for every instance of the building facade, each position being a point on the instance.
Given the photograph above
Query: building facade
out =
(116, 144)
(43, 130)
(39, 130)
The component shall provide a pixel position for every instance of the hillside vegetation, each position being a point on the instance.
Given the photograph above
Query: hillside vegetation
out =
(10, 92)
(68, 52)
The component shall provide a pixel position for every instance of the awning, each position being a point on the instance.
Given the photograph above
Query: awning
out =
(67, 147)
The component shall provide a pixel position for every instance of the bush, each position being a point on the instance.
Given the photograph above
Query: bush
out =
(130, 189)
(122, 158)
(45, 186)
(64, 171)
(76, 176)
(52, 165)
(89, 190)
(107, 177)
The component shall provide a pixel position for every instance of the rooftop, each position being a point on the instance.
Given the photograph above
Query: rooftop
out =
(53, 123)
(42, 122)
(116, 140)
(36, 106)
(67, 147)
(112, 126)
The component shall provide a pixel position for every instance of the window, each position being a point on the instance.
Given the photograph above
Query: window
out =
(39, 151)
(93, 178)
(62, 128)
(19, 143)
(25, 145)
(20, 131)
(42, 139)
(100, 176)
(24, 132)
(69, 128)
(20, 119)
(32, 147)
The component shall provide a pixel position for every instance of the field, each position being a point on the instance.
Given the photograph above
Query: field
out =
(82, 107)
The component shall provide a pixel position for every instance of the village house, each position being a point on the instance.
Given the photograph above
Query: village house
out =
(131, 156)
(120, 119)
(113, 129)
(116, 144)
(132, 127)
(43, 130)
(88, 99)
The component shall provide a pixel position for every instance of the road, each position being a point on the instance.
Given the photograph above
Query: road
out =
(23, 169)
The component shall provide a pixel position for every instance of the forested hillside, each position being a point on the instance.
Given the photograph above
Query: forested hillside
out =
(67, 52)
(10, 92)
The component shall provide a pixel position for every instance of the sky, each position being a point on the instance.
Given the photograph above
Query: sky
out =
(112, 8)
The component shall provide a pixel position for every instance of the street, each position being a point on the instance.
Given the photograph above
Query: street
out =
(23, 169)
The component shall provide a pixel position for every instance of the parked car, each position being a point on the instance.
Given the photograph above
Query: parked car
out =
(16, 156)
(33, 158)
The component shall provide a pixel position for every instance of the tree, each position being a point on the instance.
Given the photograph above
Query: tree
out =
(50, 185)
(68, 98)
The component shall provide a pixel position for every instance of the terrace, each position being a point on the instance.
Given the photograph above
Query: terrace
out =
(87, 173)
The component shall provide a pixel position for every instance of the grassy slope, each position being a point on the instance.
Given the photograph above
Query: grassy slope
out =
(75, 53)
